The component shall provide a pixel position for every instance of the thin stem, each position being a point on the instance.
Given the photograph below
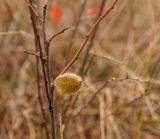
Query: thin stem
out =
(55, 35)
(47, 65)
(61, 126)
(87, 37)
(38, 48)
(92, 39)
(40, 97)
(38, 44)
(104, 85)
(33, 10)
(72, 36)
(32, 53)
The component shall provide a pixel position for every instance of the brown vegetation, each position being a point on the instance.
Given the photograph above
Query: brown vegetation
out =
(113, 45)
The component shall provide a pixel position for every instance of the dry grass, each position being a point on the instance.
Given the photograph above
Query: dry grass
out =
(127, 41)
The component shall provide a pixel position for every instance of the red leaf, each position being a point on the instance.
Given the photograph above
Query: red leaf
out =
(56, 13)
(106, 8)
(92, 10)
(95, 9)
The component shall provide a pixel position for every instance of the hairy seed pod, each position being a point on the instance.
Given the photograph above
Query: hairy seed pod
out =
(68, 83)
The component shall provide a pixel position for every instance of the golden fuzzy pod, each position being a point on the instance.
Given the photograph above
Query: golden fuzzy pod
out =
(68, 83)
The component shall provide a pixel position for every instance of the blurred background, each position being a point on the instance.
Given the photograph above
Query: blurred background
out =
(124, 50)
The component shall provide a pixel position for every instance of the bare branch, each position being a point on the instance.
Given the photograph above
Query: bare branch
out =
(87, 37)
(48, 75)
(55, 35)
(72, 36)
(34, 10)
(32, 53)
(107, 57)
(104, 85)
(39, 55)
(90, 45)
(40, 97)
(38, 44)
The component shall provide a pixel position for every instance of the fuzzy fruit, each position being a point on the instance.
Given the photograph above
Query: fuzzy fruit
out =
(68, 83)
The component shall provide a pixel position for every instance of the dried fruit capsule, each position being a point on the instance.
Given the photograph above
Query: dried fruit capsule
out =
(68, 83)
